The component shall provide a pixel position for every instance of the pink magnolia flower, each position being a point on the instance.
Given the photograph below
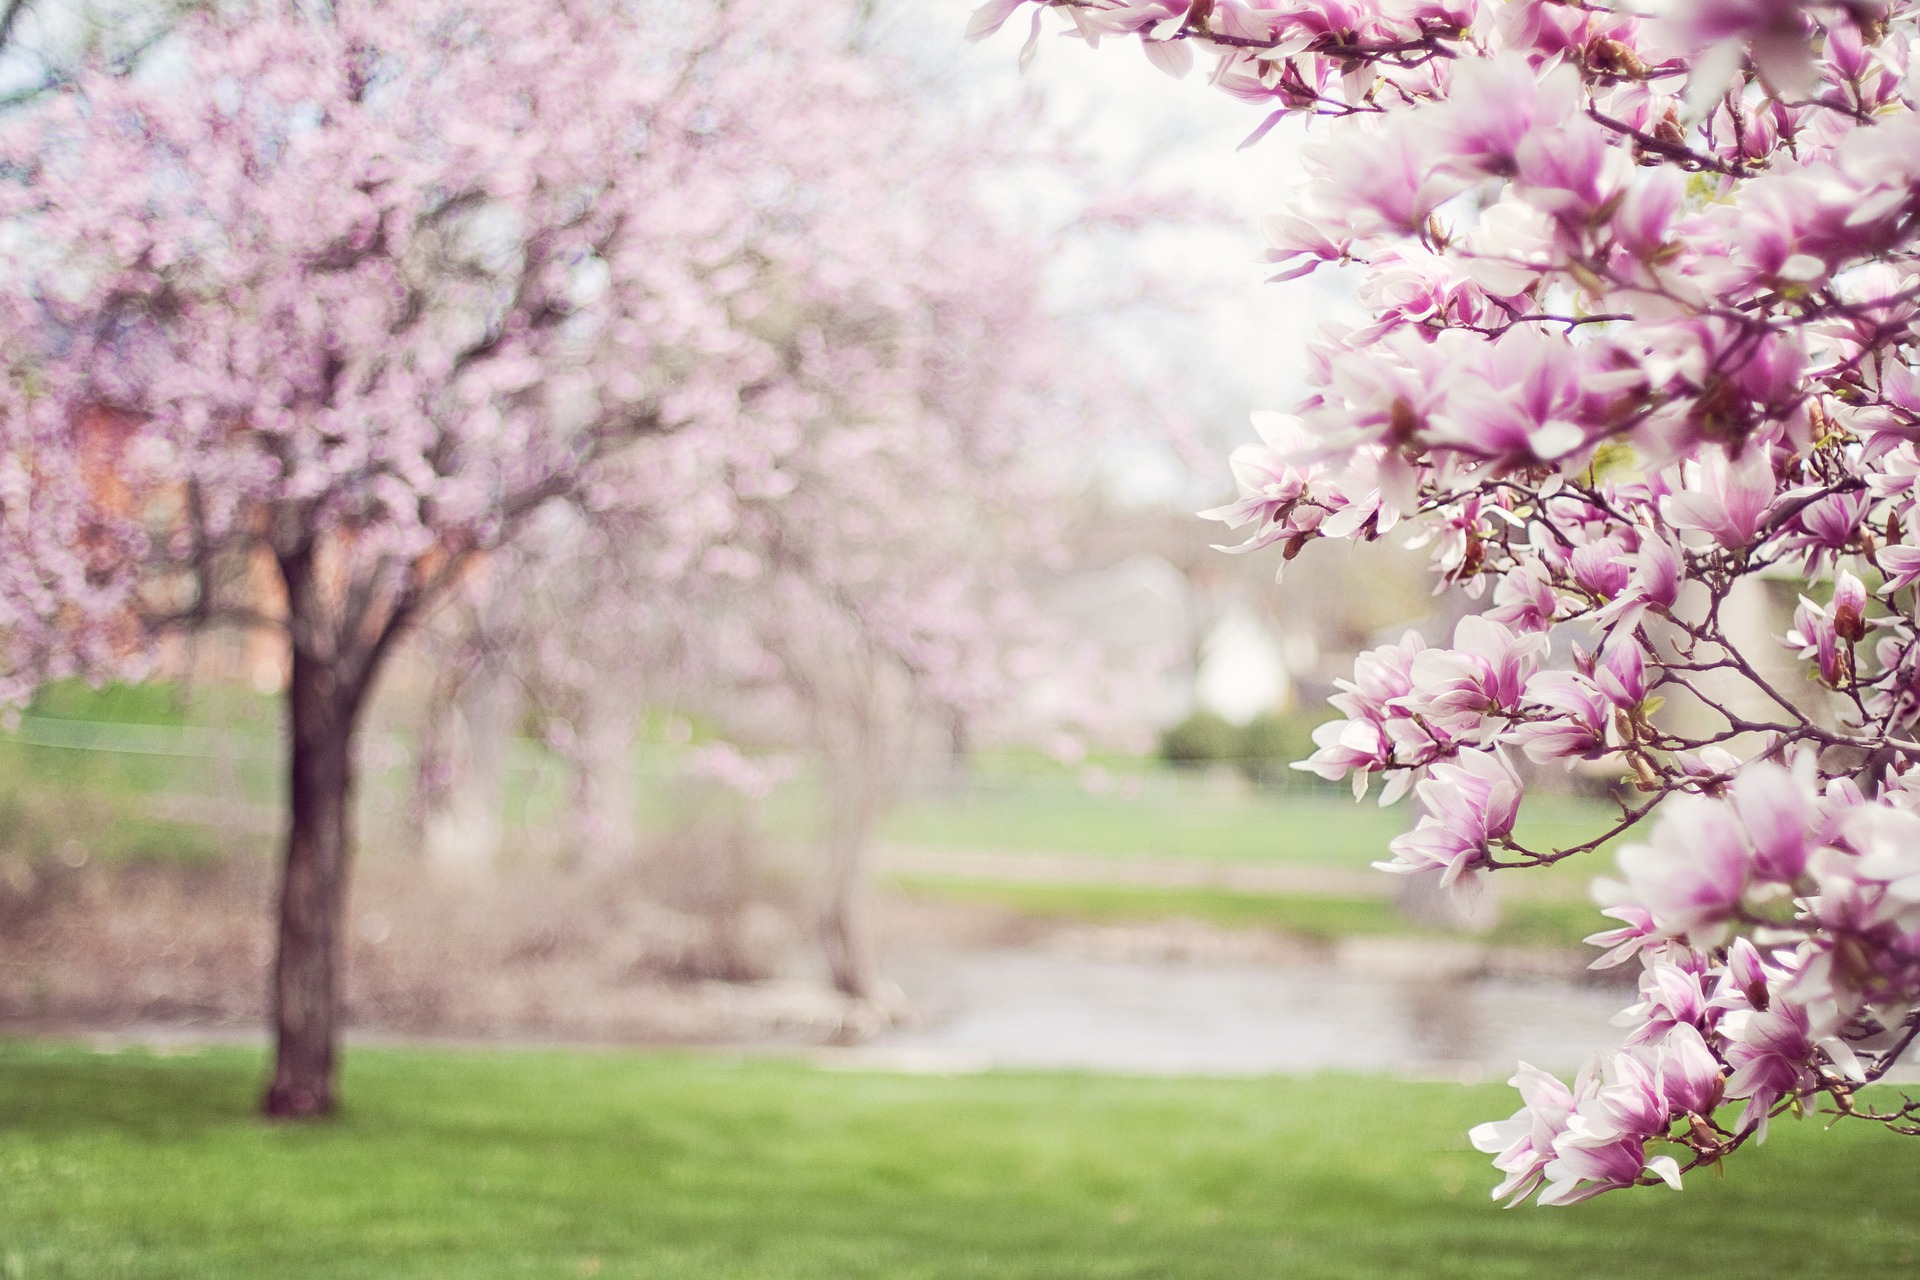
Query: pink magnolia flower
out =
(1771, 1053)
(1531, 396)
(1902, 565)
(1693, 875)
(1360, 746)
(1470, 801)
(1824, 529)
(1522, 1145)
(1601, 567)
(1380, 677)
(1654, 582)
(1580, 716)
(1274, 478)
(1301, 244)
(1722, 497)
(1484, 674)
(1690, 1077)
(1392, 177)
(1621, 673)
(1636, 931)
(1744, 982)
(1670, 996)
(1604, 1144)
(1570, 173)
(1411, 285)
(1776, 30)
(1644, 223)
(1364, 743)
(1495, 104)
(1816, 635)
(1525, 599)
(1849, 607)
(1776, 806)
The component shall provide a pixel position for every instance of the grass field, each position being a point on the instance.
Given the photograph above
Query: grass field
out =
(1522, 922)
(1182, 816)
(145, 771)
(523, 1164)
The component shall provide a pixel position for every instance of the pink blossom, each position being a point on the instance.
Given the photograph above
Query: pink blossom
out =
(1771, 1054)
(1637, 930)
(1484, 674)
(1391, 177)
(1824, 529)
(1604, 1145)
(1776, 806)
(1690, 1077)
(1815, 635)
(1723, 498)
(1273, 483)
(1660, 354)
(1495, 104)
(1525, 599)
(1670, 997)
(1902, 565)
(1775, 29)
(1693, 875)
(1580, 716)
(1470, 802)
(1523, 1144)
(1621, 674)
(1745, 981)
(1601, 567)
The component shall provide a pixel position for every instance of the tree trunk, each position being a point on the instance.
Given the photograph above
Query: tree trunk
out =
(846, 926)
(306, 971)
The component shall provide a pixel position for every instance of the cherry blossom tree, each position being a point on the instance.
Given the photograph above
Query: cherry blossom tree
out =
(881, 586)
(358, 290)
(1642, 299)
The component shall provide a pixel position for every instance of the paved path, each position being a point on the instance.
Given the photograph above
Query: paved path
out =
(1015, 1009)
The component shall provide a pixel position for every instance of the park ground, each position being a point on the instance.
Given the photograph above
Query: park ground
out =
(647, 1164)
(137, 842)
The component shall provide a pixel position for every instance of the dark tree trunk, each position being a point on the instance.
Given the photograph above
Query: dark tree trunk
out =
(313, 886)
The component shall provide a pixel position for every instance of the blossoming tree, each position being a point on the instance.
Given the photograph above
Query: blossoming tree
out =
(878, 592)
(355, 292)
(1642, 295)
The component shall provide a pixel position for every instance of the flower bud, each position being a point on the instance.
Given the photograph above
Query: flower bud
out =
(1849, 607)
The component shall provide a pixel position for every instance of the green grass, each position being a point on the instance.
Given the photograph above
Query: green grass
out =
(1526, 922)
(1178, 819)
(1181, 816)
(1011, 801)
(624, 1165)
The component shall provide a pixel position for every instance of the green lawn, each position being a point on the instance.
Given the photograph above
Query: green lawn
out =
(157, 771)
(1180, 816)
(554, 1164)
(1175, 818)
(1522, 922)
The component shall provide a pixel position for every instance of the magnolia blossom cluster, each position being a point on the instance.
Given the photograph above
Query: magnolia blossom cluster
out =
(1642, 301)
(1814, 995)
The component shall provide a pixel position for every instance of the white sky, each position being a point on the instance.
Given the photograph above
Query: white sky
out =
(1178, 135)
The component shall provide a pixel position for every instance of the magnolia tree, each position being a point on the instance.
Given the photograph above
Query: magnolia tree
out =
(1643, 302)
(354, 292)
